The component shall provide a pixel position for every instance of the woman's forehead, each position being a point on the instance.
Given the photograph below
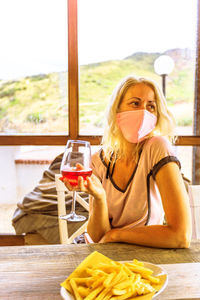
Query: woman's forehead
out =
(141, 90)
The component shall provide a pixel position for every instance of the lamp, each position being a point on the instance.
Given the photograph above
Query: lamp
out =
(163, 66)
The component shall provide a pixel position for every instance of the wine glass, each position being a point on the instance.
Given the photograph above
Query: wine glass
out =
(75, 152)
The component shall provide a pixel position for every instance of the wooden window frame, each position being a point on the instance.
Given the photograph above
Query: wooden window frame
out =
(73, 101)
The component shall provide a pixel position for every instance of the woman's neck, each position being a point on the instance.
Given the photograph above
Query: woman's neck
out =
(130, 148)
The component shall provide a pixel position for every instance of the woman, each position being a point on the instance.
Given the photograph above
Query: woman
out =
(136, 181)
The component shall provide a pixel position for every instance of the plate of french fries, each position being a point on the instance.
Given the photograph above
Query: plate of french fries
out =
(101, 278)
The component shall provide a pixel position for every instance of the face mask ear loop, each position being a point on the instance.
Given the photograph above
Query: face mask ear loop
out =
(108, 168)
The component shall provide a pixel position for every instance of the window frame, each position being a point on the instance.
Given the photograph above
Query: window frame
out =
(73, 101)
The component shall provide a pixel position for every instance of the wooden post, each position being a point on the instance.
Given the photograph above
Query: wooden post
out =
(164, 76)
(196, 126)
(73, 80)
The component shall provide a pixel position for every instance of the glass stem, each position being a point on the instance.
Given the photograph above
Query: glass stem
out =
(74, 202)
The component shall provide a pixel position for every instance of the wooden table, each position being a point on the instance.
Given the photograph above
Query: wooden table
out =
(35, 272)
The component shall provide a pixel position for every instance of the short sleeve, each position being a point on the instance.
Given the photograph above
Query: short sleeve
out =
(97, 166)
(160, 152)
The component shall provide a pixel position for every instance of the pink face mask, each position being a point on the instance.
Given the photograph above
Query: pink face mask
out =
(136, 124)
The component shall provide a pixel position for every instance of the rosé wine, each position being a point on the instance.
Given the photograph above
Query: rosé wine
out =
(72, 175)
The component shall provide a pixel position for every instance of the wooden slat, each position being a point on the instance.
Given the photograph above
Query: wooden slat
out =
(42, 140)
(196, 118)
(73, 81)
(11, 240)
(117, 251)
(187, 140)
(60, 140)
(194, 192)
(36, 140)
(179, 275)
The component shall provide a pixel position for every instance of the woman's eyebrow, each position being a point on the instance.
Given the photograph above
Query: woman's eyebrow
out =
(151, 101)
(135, 98)
(139, 99)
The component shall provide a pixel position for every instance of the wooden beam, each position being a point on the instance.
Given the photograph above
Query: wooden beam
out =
(196, 117)
(33, 140)
(60, 140)
(187, 140)
(11, 240)
(73, 80)
(42, 140)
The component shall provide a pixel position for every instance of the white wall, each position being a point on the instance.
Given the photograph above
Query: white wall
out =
(16, 180)
(8, 185)
(28, 176)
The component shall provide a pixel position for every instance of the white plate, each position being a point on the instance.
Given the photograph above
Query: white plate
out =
(157, 270)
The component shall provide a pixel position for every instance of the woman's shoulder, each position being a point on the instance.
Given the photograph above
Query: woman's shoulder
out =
(157, 142)
(96, 155)
(100, 157)
(98, 164)
(158, 147)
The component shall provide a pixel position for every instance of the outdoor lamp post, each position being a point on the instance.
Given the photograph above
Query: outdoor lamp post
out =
(163, 66)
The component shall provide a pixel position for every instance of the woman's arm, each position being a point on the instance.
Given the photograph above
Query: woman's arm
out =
(177, 232)
(98, 223)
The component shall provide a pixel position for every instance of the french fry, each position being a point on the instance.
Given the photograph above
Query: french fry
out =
(128, 271)
(153, 279)
(115, 280)
(104, 294)
(108, 296)
(123, 297)
(124, 284)
(98, 282)
(118, 291)
(139, 269)
(137, 262)
(83, 291)
(108, 280)
(144, 288)
(110, 268)
(100, 278)
(75, 289)
(94, 293)
(87, 281)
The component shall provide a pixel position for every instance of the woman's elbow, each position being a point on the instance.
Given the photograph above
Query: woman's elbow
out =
(92, 234)
(183, 238)
(184, 242)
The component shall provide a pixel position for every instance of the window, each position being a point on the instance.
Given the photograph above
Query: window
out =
(92, 95)
(33, 74)
(125, 37)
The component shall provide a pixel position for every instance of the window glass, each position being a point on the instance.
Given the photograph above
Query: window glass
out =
(118, 38)
(184, 154)
(33, 73)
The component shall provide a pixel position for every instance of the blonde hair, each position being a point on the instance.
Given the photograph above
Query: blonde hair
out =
(113, 140)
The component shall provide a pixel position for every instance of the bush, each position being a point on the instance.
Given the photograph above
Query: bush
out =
(35, 118)
(187, 121)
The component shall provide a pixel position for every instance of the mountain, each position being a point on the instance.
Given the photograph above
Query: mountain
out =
(39, 103)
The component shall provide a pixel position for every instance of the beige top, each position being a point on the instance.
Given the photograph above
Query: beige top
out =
(140, 202)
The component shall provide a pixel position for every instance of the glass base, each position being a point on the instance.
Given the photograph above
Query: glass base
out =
(73, 217)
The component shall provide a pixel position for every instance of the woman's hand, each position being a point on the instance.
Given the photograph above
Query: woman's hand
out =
(98, 223)
(111, 236)
(91, 185)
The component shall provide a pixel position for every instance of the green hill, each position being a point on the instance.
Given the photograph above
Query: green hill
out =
(39, 103)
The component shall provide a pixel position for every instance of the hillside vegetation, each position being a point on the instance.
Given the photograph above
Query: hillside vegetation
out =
(39, 103)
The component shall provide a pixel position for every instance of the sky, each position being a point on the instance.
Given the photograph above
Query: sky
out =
(34, 32)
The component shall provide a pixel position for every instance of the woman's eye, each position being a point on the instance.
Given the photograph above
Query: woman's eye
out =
(135, 103)
(152, 107)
